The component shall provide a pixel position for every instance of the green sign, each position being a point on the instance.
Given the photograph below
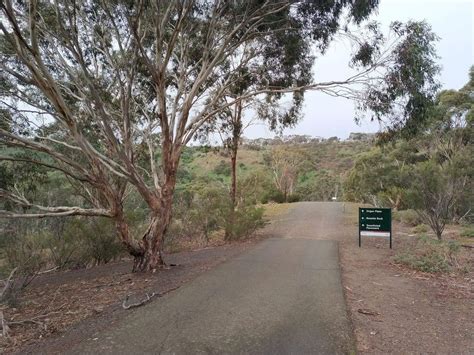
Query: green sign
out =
(375, 222)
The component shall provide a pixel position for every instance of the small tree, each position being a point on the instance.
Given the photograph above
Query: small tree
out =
(432, 195)
(286, 164)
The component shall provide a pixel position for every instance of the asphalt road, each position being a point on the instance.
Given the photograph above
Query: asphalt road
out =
(284, 296)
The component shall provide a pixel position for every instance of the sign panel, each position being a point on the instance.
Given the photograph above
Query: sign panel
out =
(375, 222)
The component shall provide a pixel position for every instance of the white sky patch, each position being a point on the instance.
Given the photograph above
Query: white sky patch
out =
(451, 20)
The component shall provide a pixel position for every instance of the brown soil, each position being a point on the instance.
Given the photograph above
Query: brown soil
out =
(60, 309)
(395, 309)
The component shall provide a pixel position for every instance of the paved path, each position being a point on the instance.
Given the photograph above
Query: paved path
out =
(282, 297)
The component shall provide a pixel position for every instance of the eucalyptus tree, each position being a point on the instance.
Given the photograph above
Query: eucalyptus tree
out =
(108, 93)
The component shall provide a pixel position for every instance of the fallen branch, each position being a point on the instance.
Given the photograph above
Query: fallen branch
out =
(5, 327)
(7, 324)
(147, 299)
(7, 284)
(47, 271)
(140, 303)
(467, 246)
(27, 321)
(368, 312)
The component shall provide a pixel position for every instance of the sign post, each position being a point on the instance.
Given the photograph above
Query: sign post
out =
(375, 222)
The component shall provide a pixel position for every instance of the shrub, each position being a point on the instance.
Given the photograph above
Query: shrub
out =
(26, 254)
(420, 228)
(64, 248)
(468, 231)
(429, 262)
(408, 217)
(198, 212)
(223, 168)
(274, 196)
(430, 255)
(245, 221)
(293, 198)
(100, 242)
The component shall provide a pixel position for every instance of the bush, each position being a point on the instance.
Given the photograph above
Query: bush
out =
(274, 196)
(26, 254)
(223, 168)
(430, 255)
(468, 231)
(198, 212)
(408, 217)
(245, 221)
(293, 198)
(65, 249)
(84, 241)
(430, 262)
(420, 228)
(100, 244)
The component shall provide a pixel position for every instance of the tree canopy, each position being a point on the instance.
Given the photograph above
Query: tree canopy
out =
(109, 93)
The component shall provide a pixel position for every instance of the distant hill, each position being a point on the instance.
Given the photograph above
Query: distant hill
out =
(327, 159)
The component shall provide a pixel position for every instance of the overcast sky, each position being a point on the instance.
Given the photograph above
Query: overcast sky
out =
(451, 20)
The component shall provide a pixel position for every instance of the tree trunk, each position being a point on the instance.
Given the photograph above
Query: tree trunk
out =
(233, 187)
(233, 148)
(148, 253)
(133, 247)
(154, 238)
(233, 196)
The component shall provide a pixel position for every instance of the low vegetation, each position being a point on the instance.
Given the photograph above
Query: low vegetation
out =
(433, 256)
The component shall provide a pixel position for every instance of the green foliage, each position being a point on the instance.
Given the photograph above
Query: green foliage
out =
(58, 243)
(380, 176)
(431, 262)
(99, 239)
(198, 212)
(273, 196)
(244, 222)
(317, 185)
(22, 250)
(420, 228)
(27, 254)
(412, 78)
(293, 198)
(433, 172)
(408, 217)
(65, 247)
(468, 231)
(223, 168)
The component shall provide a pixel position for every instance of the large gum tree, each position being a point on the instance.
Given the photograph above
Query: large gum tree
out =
(108, 93)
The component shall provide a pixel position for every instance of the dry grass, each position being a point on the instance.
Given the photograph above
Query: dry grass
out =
(273, 210)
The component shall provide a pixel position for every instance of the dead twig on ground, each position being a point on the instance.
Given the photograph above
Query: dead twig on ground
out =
(140, 303)
(368, 312)
(48, 271)
(146, 299)
(5, 327)
(7, 283)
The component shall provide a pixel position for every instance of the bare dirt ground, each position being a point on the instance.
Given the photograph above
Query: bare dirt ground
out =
(397, 310)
